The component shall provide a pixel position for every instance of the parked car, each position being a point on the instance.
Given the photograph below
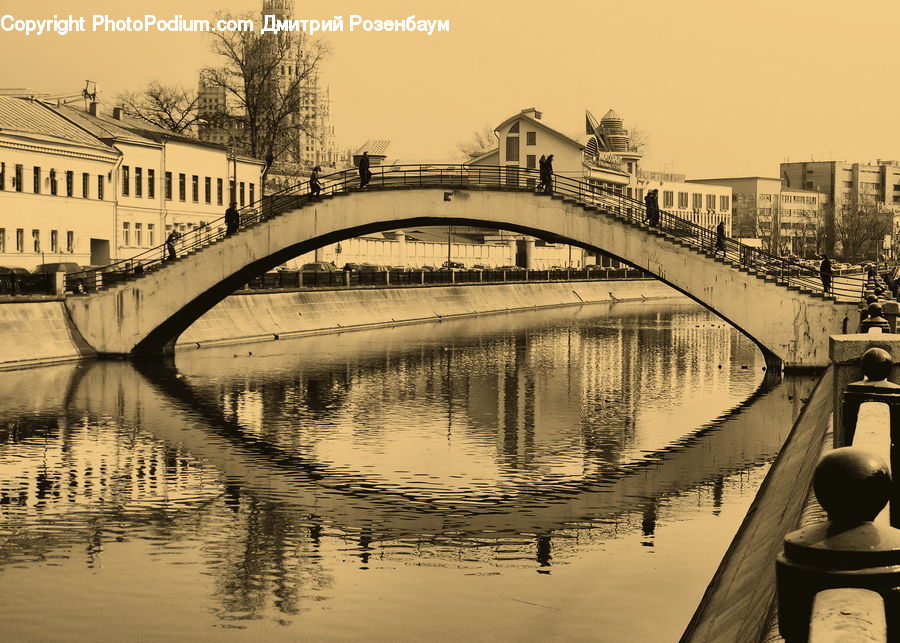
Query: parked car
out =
(351, 267)
(13, 270)
(427, 268)
(318, 266)
(62, 266)
(453, 265)
(509, 268)
(371, 267)
(480, 266)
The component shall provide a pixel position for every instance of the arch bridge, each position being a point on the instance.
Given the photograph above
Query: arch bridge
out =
(141, 306)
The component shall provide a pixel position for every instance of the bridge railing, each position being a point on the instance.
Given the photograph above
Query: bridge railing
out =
(470, 177)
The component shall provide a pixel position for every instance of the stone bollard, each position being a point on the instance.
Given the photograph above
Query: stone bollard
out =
(874, 320)
(891, 310)
(847, 550)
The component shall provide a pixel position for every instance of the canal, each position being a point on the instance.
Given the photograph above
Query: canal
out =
(566, 474)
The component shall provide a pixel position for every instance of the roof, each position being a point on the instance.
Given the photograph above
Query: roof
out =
(484, 155)
(21, 116)
(610, 115)
(375, 147)
(542, 125)
(103, 127)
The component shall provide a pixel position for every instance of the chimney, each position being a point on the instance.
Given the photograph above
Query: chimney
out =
(93, 107)
(117, 113)
(532, 112)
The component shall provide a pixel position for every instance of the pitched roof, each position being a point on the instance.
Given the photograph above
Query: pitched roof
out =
(542, 125)
(103, 127)
(20, 116)
(375, 147)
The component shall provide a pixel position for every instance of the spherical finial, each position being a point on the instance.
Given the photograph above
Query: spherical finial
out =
(871, 299)
(852, 485)
(879, 291)
(874, 309)
(876, 364)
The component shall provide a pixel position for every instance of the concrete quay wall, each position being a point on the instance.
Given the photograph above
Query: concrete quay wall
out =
(256, 316)
(38, 332)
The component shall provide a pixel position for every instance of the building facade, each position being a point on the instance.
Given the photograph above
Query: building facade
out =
(849, 188)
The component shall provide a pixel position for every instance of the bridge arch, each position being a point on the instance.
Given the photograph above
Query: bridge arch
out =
(146, 314)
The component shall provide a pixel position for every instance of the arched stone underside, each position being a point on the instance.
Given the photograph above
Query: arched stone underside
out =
(147, 314)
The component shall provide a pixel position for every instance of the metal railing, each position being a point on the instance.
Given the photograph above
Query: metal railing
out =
(286, 279)
(32, 284)
(607, 201)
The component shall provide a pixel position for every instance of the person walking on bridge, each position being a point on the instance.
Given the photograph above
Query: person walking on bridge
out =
(170, 243)
(232, 219)
(720, 239)
(825, 273)
(314, 186)
(542, 172)
(548, 174)
(648, 202)
(365, 174)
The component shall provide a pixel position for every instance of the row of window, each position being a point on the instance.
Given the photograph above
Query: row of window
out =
(696, 201)
(138, 185)
(17, 181)
(36, 241)
(139, 240)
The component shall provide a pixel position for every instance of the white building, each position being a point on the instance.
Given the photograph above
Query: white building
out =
(91, 187)
(57, 201)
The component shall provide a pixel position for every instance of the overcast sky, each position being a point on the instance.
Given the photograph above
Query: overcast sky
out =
(720, 88)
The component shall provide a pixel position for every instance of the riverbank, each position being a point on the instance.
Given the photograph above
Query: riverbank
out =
(39, 332)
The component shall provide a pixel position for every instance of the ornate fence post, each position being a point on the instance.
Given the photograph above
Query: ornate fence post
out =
(846, 551)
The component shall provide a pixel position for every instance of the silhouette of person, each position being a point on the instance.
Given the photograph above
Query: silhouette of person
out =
(314, 186)
(653, 208)
(548, 174)
(720, 239)
(825, 273)
(542, 172)
(365, 174)
(232, 219)
(170, 244)
(648, 203)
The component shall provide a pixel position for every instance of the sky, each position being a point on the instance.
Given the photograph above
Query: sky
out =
(720, 88)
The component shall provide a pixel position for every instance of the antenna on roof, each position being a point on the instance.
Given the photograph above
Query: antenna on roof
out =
(89, 92)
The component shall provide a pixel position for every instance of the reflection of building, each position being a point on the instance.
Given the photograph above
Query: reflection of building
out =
(847, 185)
(788, 221)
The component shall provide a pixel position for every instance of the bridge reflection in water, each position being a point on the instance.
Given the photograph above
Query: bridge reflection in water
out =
(445, 460)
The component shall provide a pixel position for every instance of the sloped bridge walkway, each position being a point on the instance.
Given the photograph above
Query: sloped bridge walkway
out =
(141, 305)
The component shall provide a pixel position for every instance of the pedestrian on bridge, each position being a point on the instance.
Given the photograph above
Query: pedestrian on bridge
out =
(720, 239)
(825, 273)
(648, 203)
(365, 174)
(173, 237)
(548, 174)
(542, 172)
(314, 186)
(232, 219)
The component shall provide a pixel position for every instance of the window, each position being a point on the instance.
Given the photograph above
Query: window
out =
(138, 234)
(126, 233)
(231, 194)
(138, 182)
(70, 183)
(252, 194)
(181, 187)
(151, 235)
(36, 240)
(2, 240)
(242, 194)
(219, 188)
(724, 202)
(698, 201)
(70, 241)
(668, 198)
(85, 185)
(2, 176)
(512, 148)
(530, 161)
(151, 183)
(126, 180)
(848, 184)
(710, 201)
(514, 129)
(207, 190)
(53, 181)
(809, 185)
(168, 186)
(100, 186)
(37, 180)
(530, 138)
(683, 200)
(20, 240)
(54, 241)
(17, 179)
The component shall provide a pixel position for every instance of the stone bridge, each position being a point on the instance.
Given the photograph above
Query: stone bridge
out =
(777, 308)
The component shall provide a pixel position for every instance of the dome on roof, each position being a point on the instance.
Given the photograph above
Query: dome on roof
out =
(611, 116)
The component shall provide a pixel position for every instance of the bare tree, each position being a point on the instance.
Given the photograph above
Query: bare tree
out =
(169, 107)
(860, 226)
(265, 78)
(639, 139)
(482, 141)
